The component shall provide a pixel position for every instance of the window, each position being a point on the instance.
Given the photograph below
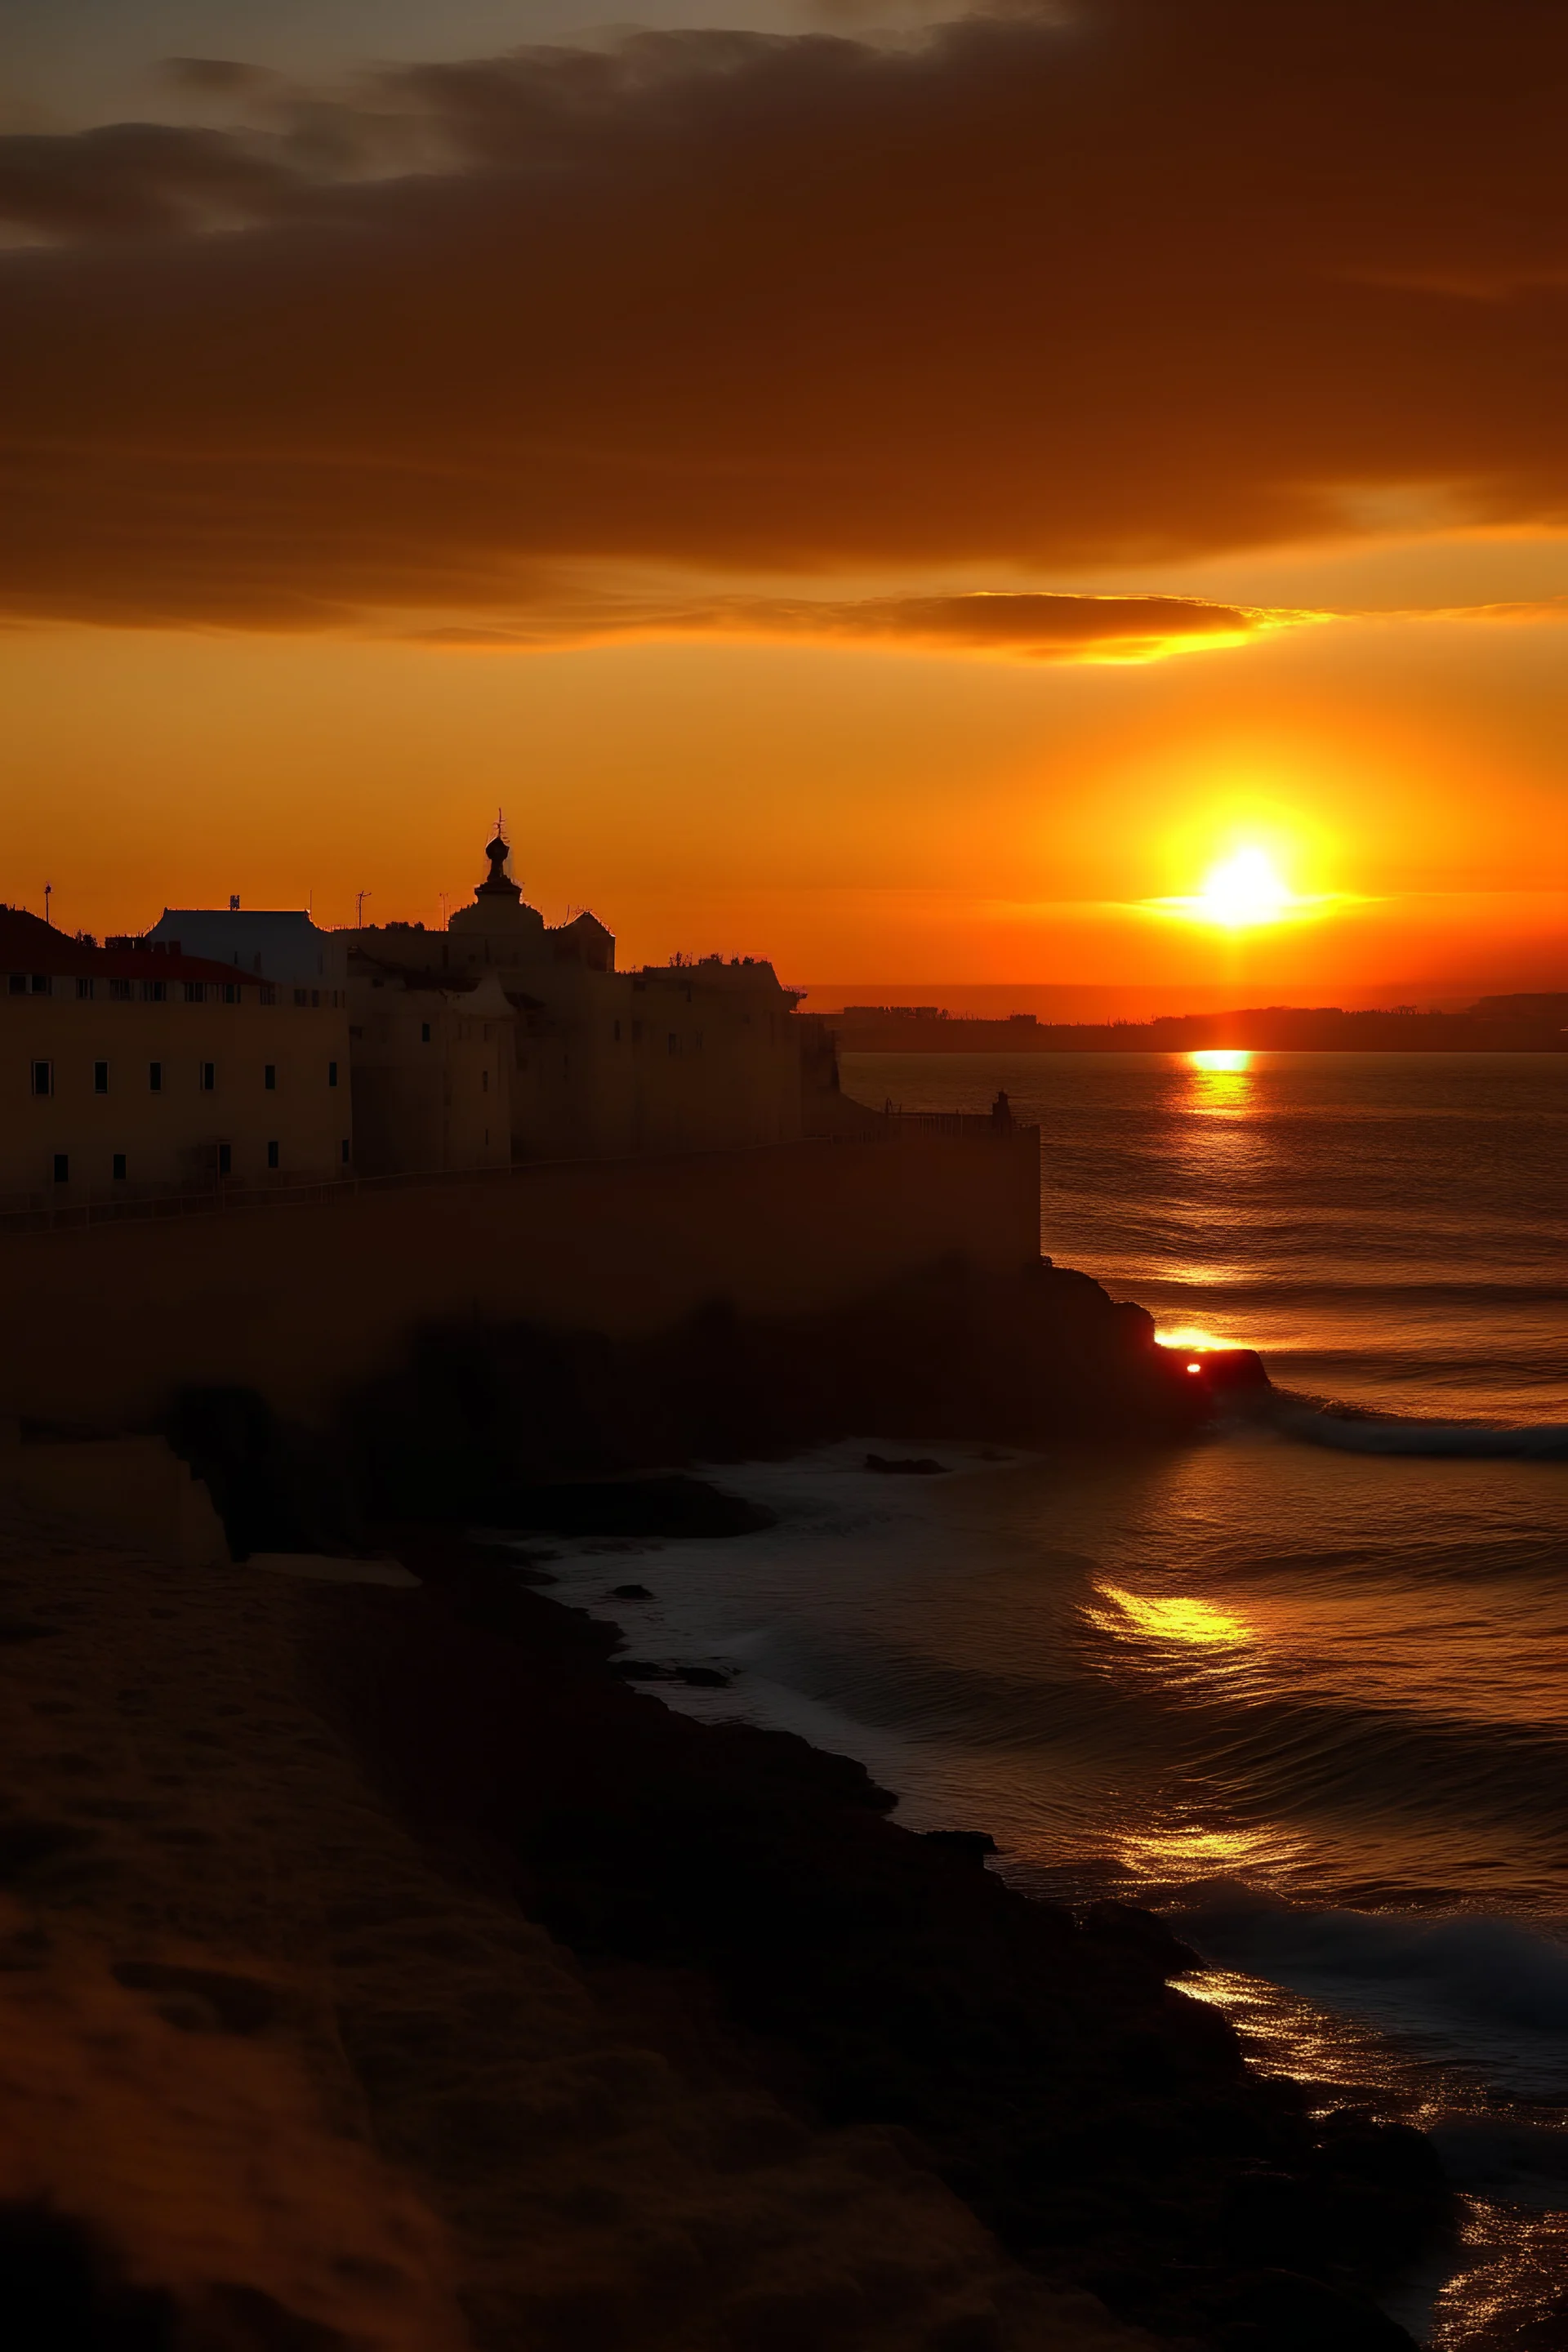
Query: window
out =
(119, 1167)
(155, 1077)
(674, 1043)
(269, 1076)
(331, 1074)
(43, 1077)
(209, 1077)
(19, 984)
(315, 999)
(345, 1153)
(269, 994)
(40, 984)
(226, 1159)
(300, 997)
(195, 992)
(100, 1078)
(84, 987)
(424, 1032)
(62, 1168)
(122, 991)
(153, 992)
(272, 1155)
(231, 992)
(484, 1082)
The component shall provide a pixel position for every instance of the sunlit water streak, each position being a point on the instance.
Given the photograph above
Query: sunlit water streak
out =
(1308, 1698)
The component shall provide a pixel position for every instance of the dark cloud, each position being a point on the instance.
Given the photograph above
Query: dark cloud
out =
(1023, 627)
(133, 179)
(226, 76)
(1170, 276)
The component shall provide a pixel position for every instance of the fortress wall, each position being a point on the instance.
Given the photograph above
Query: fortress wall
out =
(303, 1299)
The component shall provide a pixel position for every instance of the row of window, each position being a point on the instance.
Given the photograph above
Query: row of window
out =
(43, 1076)
(119, 1162)
(673, 1045)
(157, 992)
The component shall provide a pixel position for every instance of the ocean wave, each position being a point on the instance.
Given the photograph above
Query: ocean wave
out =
(1394, 1433)
(1492, 1972)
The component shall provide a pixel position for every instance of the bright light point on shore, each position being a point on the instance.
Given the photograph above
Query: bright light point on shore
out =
(1243, 891)
(1220, 1057)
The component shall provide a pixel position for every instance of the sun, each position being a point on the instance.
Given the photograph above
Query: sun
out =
(1242, 891)
(1245, 892)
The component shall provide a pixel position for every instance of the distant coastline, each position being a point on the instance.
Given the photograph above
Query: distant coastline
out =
(1534, 1023)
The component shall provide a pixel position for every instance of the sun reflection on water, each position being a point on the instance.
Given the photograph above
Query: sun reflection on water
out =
(1171, 1617)
(1224, 1061)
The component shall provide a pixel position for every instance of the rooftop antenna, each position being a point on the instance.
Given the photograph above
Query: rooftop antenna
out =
(359, 904)
(48, 894)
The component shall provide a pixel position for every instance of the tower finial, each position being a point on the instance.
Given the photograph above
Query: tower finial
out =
(498, 883)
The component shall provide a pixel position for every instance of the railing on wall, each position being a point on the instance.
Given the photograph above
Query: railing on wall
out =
(972, 1126)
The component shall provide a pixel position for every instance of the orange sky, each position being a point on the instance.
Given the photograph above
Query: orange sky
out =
(896, 506)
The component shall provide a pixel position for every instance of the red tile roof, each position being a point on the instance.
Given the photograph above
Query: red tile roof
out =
(28, 945)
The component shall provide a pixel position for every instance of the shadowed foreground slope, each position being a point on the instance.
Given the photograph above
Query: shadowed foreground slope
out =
(279, 2073)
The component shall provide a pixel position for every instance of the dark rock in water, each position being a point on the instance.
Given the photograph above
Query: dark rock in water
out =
(893, 1466)
(630, 1592)
(482, 1414)
(1230, 1369)
(978, 1842)
(1286, 2311)
(1384, 2181)
(644, 1670)
(1141, 1935)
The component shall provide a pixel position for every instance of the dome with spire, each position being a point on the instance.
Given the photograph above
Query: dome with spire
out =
(498, 928)
(499, 883)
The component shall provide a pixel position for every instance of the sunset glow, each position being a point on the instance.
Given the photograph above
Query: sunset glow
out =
(766, 638)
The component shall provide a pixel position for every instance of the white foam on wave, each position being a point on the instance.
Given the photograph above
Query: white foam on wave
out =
(1392, 1435)
(1486, 1990)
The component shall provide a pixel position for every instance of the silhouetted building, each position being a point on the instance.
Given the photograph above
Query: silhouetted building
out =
(502, 1038)
(130, 1071)
(279, 944)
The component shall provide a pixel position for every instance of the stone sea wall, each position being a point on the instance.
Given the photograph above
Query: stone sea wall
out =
(303, 1301)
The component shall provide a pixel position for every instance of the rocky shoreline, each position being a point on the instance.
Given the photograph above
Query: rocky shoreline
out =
(591, 2027)
(1100, 2122)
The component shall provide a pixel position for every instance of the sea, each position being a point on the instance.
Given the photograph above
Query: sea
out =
(1300, 1685)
